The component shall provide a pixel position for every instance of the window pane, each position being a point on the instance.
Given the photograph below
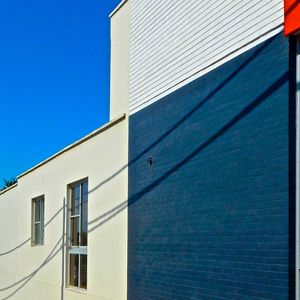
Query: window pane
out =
(74, 269)
(75, 231)
(37, 212)
(84, 224)
(37, 234)
(84, 187)
(84, 191)
(84, 213)
(83, 271)
(75, 200)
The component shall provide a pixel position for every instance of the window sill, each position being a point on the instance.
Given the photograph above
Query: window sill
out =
(37, 246)
(76, 290)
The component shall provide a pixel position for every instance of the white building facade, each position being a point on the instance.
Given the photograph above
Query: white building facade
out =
(191, 191)
(46, 270)
(64, 224)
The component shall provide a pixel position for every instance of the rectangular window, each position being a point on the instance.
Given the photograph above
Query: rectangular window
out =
(78, 223)
(37, 222)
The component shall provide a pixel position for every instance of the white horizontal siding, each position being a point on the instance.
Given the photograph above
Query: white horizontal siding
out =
(174, 42)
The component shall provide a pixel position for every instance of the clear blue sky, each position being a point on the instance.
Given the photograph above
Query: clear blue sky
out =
(54, 77)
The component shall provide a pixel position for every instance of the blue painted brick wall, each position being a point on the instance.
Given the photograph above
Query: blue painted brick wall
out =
(210, 218)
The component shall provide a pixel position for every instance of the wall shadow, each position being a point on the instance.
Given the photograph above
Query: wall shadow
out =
(292, 165)
(229, 78)
(104, 218)
(97, 222)
(59, 247)
(22, 282)
(29, 239)
(292, 7)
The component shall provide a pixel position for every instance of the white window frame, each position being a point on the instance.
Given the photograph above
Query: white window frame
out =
(79, 250)
(41, 221)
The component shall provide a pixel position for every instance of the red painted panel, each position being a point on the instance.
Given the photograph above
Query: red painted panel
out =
(291, 16)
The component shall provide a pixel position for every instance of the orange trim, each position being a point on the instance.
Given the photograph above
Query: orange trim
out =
(291, 16)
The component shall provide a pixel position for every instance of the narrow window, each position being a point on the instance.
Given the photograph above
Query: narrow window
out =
(37, 223)
(78, 216)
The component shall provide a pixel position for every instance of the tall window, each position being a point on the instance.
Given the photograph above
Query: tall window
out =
(37, 223)
(78, 214)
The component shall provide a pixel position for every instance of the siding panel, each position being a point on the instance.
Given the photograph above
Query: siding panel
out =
(173, 42)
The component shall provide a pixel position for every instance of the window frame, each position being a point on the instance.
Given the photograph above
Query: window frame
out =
(41, 221)
(76, 249)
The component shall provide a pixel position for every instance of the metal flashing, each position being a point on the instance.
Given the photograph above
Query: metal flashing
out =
(117, 8)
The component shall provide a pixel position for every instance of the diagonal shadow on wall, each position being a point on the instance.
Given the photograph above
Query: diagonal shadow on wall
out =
(22, 282)
(292, 7)
(27, 240)
(214, 92)
(99, 221)
(242, 114)
(58, 248)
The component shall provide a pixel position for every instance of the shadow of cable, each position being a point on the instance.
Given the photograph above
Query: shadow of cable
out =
(59, 247)
(230, 77)
(292, 7)
(242, 114)
(29, 239)
(27, 278)
(99, 221)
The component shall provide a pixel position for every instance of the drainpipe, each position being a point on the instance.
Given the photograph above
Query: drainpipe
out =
(298, 168)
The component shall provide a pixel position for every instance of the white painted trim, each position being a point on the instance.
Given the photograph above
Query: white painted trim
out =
(298, 170)
(77, 290)
(117, 8)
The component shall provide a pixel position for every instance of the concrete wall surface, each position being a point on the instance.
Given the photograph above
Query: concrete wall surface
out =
(34, 273)
(119, 65)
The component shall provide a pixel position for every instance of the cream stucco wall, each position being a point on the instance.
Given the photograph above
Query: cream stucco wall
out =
(33, 273)
(120, 43)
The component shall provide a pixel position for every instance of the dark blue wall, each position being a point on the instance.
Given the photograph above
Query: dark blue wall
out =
(210, 218)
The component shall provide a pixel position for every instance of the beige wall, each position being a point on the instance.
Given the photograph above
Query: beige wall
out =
(119, 79)
(34, 273)
(38, 273)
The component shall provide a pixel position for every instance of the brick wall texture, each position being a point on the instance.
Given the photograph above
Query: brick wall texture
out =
(209, 218)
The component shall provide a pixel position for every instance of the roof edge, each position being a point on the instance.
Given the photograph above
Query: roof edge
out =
(117, 8)
(9, 188)
(77, 143)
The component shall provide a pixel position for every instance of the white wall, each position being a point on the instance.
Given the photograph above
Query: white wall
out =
(119, 65)
(8, 240)
(35, 273)
(174, 42)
